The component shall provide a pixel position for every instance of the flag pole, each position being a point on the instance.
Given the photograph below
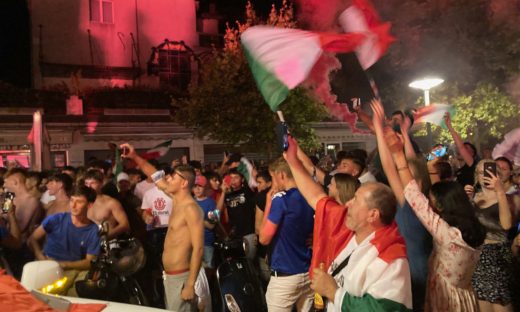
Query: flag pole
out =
(280, 115)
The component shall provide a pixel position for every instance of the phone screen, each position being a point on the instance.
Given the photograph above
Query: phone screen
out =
(438, 152)
(285, 137)
(490, 166)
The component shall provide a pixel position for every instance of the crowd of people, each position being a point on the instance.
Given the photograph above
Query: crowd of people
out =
(395, 229)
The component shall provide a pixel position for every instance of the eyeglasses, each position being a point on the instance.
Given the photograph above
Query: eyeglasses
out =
(179, 174)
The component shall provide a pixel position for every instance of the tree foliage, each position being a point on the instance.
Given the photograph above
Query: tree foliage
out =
(226, 105)
(482, 117)
(462, 41)
(467, 43)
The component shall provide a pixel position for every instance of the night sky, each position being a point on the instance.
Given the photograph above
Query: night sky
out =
(15, 56)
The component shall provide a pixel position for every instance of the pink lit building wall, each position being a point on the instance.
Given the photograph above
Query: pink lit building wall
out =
(106, 41)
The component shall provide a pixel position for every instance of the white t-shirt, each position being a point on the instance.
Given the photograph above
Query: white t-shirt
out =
(367, 177)
(47, 198)
(161, 206)
(142, 187)
(347, 251)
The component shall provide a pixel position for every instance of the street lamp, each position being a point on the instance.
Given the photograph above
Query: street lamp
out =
(425, 85)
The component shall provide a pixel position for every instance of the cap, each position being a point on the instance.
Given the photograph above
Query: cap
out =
(122, 176)
(201, 180)
(234, 158)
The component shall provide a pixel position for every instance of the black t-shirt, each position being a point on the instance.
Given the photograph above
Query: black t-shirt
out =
(241, 205)
(261, 199)
(466, 174)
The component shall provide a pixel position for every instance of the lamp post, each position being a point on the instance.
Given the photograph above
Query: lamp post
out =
(425, 85)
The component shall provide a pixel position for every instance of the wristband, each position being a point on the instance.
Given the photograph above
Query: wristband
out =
(157, 176)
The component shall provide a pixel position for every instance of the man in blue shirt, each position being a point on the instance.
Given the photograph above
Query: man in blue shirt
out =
(289, 225)
(71, 238)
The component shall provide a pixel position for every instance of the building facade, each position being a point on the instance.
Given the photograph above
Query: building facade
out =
(84, 45)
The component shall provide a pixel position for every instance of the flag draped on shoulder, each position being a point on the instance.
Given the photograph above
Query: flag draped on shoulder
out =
(377, 276)
(281, 58)
(158, 150)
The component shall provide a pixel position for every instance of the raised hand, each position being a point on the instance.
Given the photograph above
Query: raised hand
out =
(378, 114)
(225, 157)
(447, 119)
(406, 124)
(493, 182)
(291, 154)
(130, 151)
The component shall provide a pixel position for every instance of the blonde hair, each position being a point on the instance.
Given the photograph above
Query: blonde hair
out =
(346, 185)
(480, 163)
(281, 165)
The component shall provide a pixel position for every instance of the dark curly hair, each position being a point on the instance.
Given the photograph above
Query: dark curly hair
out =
(456, 209)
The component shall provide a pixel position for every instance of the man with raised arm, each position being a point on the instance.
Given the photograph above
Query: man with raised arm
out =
(359, 243)
(184, 243)
(288, 225)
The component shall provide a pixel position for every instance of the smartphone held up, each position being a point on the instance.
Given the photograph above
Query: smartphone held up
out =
(282, 134)
(490, 167)
(437, 152)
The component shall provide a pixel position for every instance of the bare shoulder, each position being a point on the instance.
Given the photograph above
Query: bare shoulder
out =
(107, 200)
(31, 203)
(193, 209)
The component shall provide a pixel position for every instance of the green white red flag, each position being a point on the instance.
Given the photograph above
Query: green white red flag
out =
(281, 58)
(158, 150)
(361, 17)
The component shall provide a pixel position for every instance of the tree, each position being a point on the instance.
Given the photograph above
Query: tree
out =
(482, 117)
(226, 105)
(459, 40)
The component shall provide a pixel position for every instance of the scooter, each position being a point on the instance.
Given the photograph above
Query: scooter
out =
(239, 283)
(110, 277)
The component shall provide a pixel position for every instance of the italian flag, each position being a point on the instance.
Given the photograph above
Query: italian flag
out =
(246, 169)
(158, 150)
(374, 271)
(361, 17)
(281, 58)
(434, 113)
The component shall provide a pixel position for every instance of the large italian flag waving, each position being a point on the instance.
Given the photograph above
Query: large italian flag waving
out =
(282, 58)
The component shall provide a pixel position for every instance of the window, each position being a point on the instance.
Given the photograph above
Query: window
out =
(102, 11)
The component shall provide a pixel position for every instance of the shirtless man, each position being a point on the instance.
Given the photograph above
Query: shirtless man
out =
(59, 186)
(28, 209)
(184, 243)
(106, 207)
